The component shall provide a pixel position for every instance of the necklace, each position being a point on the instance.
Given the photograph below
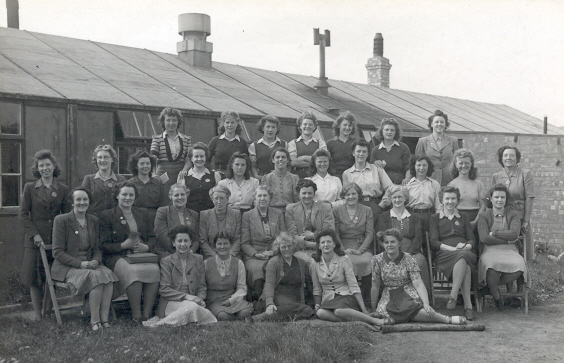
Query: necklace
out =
(222, 217)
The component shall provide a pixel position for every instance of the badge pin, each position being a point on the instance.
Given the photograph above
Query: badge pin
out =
(75, 232)
(110, 185)
(123, 222)
(207, 180)
(54, 194)
(457, 223)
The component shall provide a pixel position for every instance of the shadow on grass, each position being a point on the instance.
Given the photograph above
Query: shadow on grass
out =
(223, 342)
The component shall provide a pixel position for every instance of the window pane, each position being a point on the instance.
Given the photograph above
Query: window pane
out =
(138, 124)
(10, 191)
(200, 130)
(10, 118)
(11, 157)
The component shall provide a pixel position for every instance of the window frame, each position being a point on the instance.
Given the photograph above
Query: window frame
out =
(19, 139)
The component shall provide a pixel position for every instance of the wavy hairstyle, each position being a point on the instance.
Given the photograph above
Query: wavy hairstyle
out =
(349, 186)
(438, 113)
(169, 111)
(199, 146)
(309, 116)
(306, 183)
(338, 245)
(229, 114)
(222, 235)
(44, 154)
(502, 149)
(348, 116)
(125, 184)
(110, 150)
(268, 118)
(135, 160)
(181, 228)
(389, 121)
(463, 153)
(283, 237)
(316, 154)
(178, 186)
(449, 189)
(389, 232)
(415, 159)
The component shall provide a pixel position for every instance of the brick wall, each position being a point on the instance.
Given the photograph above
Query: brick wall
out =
(544, 156)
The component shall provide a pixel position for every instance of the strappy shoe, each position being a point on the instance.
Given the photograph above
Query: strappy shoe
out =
(461, 320)
(389, 321)
(451, 303)
(96, 326)
(106, 325)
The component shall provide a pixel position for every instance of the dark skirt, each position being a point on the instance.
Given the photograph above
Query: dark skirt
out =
(287, 307)
(33, 272)
(445, 260)
(471, 214)
(402, 307)
(341, 302)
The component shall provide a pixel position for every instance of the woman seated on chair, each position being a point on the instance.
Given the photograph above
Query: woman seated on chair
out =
(500, 261)
(404, 297)
(409, 226)
(261, 225)
(453, 239)
(335, 289)
(128, 230)
(287, 282)
(173, 215)
(220, 218)
(183, 284)
(226, 282)
(78, 258)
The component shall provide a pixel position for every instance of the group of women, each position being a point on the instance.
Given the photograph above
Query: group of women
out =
(279, 229)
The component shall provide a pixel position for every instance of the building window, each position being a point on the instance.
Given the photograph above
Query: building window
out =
(10, 154)
(138, 124)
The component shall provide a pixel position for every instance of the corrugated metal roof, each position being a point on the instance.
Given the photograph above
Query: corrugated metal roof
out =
(44, 65)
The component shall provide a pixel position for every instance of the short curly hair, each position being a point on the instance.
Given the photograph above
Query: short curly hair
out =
(398, 188)
(169, 111)
(268, 118)
(438, 113)
(280, 149)
(389, 121)
(135, 160)
(220, 189)
(178, 186)
(266, 188)
(415, 159)
(449, 189)
(44, 154)
(463, 153)
(110, 150)
(499, 188)
(80, 189)
(222, 235)
(348, 116)
(502, 149)
(309, 116)
(229, 114)
(125, 184)
(283, 237)
(316, 154)
(306, 183)
(182, 228)
(389, 232)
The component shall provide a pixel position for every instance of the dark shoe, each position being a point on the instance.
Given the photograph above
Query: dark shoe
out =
(469, 314)
(451, 304)
(96, 326)
(137, 321)
(498, 304)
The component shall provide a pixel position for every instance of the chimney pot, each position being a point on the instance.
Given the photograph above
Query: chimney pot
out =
(194, 49)
(378, 45)
(12, 8)
(378, 67)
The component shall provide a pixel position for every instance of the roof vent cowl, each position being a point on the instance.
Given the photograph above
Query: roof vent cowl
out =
(194, 49)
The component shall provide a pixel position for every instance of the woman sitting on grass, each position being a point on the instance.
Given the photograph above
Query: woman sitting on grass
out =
(226, 282)
(183, 284)
(404, 297)
(335, 289)
(287, 281)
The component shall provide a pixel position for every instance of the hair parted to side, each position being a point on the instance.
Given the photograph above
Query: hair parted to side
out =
(41, 155)
(338, 245)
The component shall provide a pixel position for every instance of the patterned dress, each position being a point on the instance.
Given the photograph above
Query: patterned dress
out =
(399, 299)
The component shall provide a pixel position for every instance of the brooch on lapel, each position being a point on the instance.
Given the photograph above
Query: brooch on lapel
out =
(122, 220)
(75, 232)
(110, 185)
(207, 180)
(457, 223)
(54, 194)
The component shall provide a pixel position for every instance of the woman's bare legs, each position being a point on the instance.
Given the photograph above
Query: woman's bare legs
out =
(347, 314)
(466, 287)
(35, 293)
(149, 296)
(94, 299)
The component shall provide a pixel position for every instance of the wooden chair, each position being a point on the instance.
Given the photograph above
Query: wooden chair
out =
(522, 292)
(441, 285)
(50, 291)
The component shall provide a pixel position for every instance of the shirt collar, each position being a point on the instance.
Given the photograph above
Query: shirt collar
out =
(415, 180)
(319, 177)
(443, 215)
(367, 166)
(396, 261)
(225, 137)
(262, 141)
(382, 146)
(191, 171)
(165, 135)
(112, 176)
(219, 261)
(405, 214)
(39, 184)
(300, 138)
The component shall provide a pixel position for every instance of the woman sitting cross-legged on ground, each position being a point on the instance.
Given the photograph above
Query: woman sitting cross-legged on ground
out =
(335, 289)
(287, 282)
(404, 297)
(183, 285)
(78, 258)
(226, 282)
(500, 262)
(452, 237)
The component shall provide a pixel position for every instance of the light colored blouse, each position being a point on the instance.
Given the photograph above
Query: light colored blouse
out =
(520, 184)
(242, 196)
(328, 188)
(471, 193)
(372, 180)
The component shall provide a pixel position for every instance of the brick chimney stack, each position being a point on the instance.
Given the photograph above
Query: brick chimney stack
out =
(12, 8)
(378, 67)
(194, 49)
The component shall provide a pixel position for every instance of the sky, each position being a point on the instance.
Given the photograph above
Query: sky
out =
(498, 51)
